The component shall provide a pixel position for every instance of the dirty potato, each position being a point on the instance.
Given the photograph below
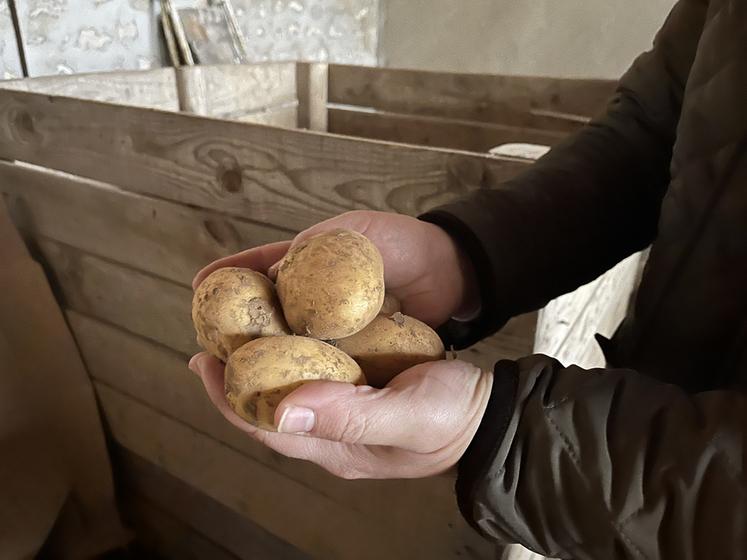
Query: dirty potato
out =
(331, 285)
(233, 306)
(263, 372)
(390, 345)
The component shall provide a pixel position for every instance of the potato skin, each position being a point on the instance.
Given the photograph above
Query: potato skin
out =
(391, 305)
(390, 345)
(233, 306)
(331, 285)
(264, 371)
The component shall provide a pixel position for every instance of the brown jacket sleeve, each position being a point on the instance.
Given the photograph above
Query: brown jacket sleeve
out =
(608, 464)
(586, 205)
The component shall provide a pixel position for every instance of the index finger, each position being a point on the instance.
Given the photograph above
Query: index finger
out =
(258, 259)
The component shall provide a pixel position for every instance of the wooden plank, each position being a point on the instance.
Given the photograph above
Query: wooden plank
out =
(156, 236)
(231, 91)
(434, 131)
(154, 89)
(303, 518)
(140, 303)
(286, 178)
(161, 536)
(548, 103)
(284, 116)
(567, 325)
(168, 513)
(312, 80)
(158, 378)
(159, 310)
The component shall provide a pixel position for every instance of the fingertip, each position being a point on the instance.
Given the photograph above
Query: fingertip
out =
(195, 363)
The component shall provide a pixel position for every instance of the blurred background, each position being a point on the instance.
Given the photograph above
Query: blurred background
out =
(541, 37)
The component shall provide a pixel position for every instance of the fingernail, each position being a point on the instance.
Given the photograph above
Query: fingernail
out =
(194, 364)
(297, 420)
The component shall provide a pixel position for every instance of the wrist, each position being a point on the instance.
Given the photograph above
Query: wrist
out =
(481, 399)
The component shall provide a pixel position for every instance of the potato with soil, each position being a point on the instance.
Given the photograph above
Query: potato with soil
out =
(233, 306)
(331, 285)
(390, 345)
(263, 372)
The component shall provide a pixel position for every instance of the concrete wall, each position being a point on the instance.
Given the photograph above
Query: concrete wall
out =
(74, 36)
(572, 38)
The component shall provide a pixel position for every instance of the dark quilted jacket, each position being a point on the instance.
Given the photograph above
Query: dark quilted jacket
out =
(645, 459)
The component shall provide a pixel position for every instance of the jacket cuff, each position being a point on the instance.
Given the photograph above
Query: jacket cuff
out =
(480, 455)
(463, 334)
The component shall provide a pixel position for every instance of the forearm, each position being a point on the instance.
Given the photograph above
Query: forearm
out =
(608, 464)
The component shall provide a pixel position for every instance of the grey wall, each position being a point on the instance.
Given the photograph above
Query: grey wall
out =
(10, 63)
(574, 38)
(74, 36)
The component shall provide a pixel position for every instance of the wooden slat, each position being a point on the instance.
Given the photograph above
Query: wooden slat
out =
(158, 309)
(566, 327)
(508, 100)
(285, 178)
(158, 378)
(170, 515)
(283, 116)
(154, 89)
(156, 236)
(232, 91)
(434, 131)
(291, 511)
(312, 81)
(281, 506)
(161, 536)
(140, 303)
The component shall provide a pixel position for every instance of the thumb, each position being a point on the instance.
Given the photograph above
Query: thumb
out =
(422, 408)
(341, 412)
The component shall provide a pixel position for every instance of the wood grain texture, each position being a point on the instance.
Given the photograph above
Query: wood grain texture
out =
(168, 515)
(287, 509)
(155, 89)
(138, 302)
(162, 238)
(508, 100)
(567, 325)
(285, 116)
(158, 378)
(286, 178)
(159, 310)
(233, 90)
(312, 80)
(434, 131)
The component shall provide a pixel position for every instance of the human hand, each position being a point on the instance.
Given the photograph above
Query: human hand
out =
(422, 422)
(419, 425)
(423, 267)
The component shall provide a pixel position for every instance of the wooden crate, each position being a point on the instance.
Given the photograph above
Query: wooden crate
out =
(124, 196)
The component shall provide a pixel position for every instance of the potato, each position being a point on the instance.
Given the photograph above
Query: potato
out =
(390, 345)
(391, 305)
(262, 372)
(233, 306)
(331, 285)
